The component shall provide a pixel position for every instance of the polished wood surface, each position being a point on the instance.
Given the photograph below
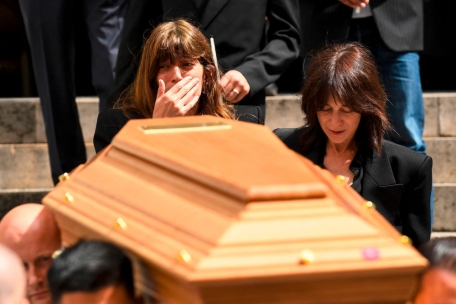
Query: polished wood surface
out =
(220, 211)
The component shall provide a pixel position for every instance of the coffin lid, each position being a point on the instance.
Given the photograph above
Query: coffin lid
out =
(206, 202)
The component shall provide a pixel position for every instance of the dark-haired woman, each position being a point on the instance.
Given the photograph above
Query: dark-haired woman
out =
(344, 104)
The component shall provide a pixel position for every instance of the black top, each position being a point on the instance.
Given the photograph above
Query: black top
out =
(398, 181)
(399, 22)
(239, 31)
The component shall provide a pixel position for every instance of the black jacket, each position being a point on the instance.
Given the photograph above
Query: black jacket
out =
(261, 50)
(399, 22)
(398, 182)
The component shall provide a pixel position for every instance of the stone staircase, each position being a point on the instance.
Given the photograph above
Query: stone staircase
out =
(24, 165)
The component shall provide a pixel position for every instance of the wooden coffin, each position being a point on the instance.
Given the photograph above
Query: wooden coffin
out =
(220, 211)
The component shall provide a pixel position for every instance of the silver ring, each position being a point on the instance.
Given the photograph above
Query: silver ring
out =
(235, 91)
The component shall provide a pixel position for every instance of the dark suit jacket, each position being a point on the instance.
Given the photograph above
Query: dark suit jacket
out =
(400, 23)
(238, 28)
(109, 123)
(398, 182)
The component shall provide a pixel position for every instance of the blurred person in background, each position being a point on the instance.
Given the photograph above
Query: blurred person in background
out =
(32, 233)
(12, 278)
(50, 30)
(438, 283)
(92, 272)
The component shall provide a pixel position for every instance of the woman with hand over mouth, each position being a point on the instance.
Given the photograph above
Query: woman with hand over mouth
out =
(177, 76)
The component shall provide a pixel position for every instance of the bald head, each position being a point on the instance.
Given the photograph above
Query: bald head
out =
(28, 220)
(32, 233)
(12, 277)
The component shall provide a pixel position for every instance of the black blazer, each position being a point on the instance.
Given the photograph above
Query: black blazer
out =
(398, 182)
(238, 28)
(400, 23)
(109, 122)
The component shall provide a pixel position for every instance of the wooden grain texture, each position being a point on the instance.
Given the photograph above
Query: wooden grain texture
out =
(240, 208)
(238, 161)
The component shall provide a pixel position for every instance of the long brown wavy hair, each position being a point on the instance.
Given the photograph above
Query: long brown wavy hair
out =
(173, 41)
(348, 73)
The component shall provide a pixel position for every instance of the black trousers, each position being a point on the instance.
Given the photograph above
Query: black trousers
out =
(49, 25)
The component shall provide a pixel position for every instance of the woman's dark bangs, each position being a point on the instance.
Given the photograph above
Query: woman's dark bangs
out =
(336, 89)
(164, 54)
(178, 52)
(172, 49)
(345, 91)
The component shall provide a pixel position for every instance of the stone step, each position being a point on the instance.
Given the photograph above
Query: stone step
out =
(444, 210)
(22, 122)
(442, 150)
(444, 207)
(439, 234)
(24, 164)
(24, 188)
(284, 111)
(27, 165)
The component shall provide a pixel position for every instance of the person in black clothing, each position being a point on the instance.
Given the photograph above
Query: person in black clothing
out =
(92, 272)
(177, 76)
(438, 283)
(50, 27)
(344, 105)
(255, 41)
